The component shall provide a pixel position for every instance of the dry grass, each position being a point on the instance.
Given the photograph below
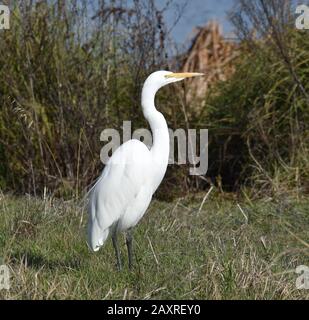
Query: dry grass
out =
(212, 54)
(226, 249)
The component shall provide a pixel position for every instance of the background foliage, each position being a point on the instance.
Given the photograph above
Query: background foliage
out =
(68, 70)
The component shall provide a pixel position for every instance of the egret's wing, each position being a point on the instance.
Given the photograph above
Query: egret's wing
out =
(122, 178)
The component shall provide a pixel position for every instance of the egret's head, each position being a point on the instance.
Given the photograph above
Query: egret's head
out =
(160, 79)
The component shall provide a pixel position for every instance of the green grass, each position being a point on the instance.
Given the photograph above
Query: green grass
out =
(230, 249)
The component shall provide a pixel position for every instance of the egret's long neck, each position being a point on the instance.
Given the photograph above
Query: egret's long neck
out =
(160, 147)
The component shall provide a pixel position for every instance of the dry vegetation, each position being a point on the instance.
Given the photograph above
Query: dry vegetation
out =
(68, 71)
(212, 54)
(227, 249)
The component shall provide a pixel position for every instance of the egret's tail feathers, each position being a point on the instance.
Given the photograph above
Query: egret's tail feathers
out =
(96, 238)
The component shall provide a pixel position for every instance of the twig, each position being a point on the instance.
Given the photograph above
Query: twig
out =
(153, 252)
(205, 198)
(242, 211)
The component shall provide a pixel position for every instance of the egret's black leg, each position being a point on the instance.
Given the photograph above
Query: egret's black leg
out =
(117, 251)
(129, 240)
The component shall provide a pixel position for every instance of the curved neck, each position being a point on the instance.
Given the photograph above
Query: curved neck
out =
(158, 125)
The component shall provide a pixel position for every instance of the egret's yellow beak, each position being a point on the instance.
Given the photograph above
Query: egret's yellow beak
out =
(183, 75)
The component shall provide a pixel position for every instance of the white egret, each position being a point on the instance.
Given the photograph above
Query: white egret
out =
(123, 192)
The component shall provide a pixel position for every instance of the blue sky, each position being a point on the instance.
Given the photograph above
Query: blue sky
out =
(197, 12)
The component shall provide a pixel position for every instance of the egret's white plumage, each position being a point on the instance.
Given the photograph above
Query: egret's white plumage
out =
(123, 192)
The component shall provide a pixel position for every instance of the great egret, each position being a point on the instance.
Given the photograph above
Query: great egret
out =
(123, 192)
